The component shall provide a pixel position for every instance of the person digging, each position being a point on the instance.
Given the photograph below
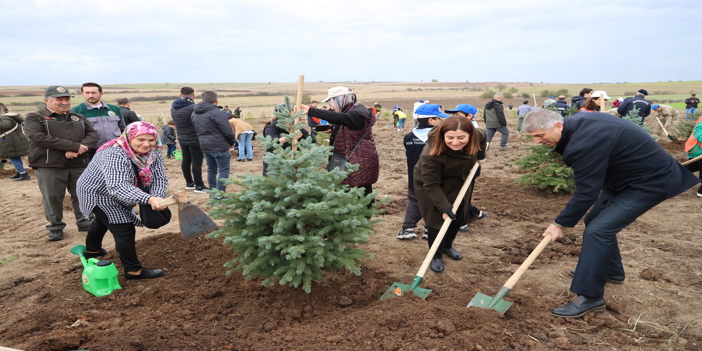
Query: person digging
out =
(619, 171)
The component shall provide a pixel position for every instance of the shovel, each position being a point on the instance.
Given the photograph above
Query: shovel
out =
(397, 289)
(193, 222)
(665, 131)
(497, 303)
(692, 160)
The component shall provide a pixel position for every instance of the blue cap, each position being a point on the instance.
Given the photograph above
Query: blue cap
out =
(654, 107)
(551, 97)
(429, 111)
(465, 108)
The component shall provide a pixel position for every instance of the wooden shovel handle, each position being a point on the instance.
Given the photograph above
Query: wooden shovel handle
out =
(518, 274)
(447, 222)
(179, 197)
(692, 160)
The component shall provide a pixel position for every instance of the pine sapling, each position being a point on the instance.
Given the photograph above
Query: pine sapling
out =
(297, 222)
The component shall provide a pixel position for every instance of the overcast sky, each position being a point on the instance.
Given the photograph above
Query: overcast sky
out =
(46, 42)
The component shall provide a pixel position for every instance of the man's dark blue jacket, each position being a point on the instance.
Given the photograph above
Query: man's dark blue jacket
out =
(639, 101)
(615, 156)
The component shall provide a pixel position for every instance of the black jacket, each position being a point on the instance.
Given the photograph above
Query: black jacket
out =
(128, 116)
(577, 100)
(617, 158)
(691, 102)
(495, 114)
(212, 126)
(181, 111)
(638, 101)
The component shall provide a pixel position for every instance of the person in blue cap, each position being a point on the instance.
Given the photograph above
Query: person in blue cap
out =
(474, 213)
(427, 117)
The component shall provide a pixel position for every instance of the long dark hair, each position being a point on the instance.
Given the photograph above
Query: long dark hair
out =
(592, 104)
(454, 123)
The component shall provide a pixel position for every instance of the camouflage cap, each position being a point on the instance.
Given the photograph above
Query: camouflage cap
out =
(56, 91)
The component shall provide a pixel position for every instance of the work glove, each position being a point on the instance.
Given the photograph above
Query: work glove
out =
(450, 213)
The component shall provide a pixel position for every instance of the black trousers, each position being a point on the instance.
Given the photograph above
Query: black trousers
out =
(192, 162)
(450, 235)
(124, 235)
(696, 167)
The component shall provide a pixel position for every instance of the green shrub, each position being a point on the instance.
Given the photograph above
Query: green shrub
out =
(546, 170)
(682, 129)
(487, 95)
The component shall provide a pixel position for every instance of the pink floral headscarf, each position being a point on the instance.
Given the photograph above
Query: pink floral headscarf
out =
(142, 161)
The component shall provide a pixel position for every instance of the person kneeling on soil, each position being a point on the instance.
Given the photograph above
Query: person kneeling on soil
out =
(619, 171)
(452, 150)
(108, 188)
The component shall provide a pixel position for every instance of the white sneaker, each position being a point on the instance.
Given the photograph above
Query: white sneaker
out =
(699, 194)
(425, 236)
(406, 234)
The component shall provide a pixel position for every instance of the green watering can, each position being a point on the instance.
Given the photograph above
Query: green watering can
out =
(99, 277)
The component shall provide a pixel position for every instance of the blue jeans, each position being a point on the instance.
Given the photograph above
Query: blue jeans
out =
(401, 123)
(519, 125)
(600, 257)
(17, 162)
(217, 169)
(503, 130)
(689, 111)
(171, 149)
(245, 149)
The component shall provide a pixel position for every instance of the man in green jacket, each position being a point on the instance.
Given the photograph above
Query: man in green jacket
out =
(60, 140)
(106, 119)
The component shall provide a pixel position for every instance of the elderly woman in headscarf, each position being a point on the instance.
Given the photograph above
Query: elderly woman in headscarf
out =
(109, 188)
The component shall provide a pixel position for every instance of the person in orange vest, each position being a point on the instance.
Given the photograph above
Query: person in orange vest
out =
(693, 148)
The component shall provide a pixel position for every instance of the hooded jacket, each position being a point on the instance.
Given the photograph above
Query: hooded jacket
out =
(52, 134)
(181, 112)
(495, 115)
(212, 127)
(15, 143)
(577, 100)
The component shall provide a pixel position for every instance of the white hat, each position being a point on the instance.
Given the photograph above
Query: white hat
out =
(336, 91)
(598, 93)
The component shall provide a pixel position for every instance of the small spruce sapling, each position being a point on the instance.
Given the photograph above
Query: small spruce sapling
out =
(297, 222)
(634, 117)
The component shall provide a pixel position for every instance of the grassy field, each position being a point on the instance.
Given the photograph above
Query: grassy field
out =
(257, 99)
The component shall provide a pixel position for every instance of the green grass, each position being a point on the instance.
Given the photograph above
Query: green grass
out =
(8, 259)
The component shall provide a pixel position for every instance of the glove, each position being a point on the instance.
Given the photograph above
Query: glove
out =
(450, 213)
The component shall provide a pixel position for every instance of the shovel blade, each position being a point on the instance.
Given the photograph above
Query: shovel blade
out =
(484, 301)
(194, 222)
(397, 290)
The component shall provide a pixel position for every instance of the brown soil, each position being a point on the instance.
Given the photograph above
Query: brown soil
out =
(195, 306)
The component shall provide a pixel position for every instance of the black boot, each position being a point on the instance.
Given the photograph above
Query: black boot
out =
(17, 175)
(437, 265)
(23, 176)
